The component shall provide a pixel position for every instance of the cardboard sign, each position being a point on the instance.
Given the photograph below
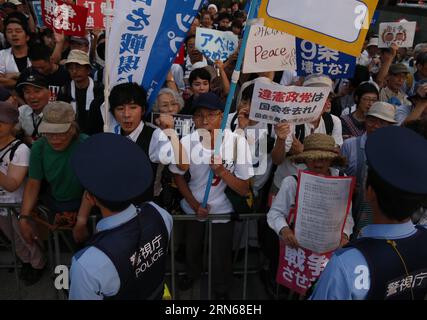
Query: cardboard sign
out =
(400, 33)
(95, 16)
(338, 24)
(269, 50)
(216, 45)
(64, 18)
(273, 103)
(299, 268)
(313, 58)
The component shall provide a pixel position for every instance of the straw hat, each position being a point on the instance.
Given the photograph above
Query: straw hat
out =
(319, 146)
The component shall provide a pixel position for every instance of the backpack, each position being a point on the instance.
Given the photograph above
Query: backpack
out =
(11, 149)
(329, 125)
(270, 139)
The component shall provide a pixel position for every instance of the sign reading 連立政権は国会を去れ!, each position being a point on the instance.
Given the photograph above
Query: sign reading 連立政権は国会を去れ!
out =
(313, 58)
(273, 103)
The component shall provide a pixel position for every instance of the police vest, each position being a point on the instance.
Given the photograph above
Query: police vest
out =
(388, 278)
(138, 250)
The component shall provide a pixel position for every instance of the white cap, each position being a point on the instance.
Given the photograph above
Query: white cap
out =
(373, 42)
(383, 110)
(15, 2)
(213, 6)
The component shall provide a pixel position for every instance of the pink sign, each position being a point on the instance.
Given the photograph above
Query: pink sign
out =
(299, 268)
(65, 18)
(95, 16)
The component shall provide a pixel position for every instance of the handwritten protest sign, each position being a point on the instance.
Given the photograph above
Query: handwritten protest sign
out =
(314, 58)
(95, 16)
(338, 24)
(322, 208)
(272, 103)
(183, 123)
(299, 268)
(63, 17)
(216, 45)
(269, 50)
(37, 8)
(400, 33)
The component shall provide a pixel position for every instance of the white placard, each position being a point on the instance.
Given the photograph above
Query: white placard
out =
(322, 207)
(269, 50)
(273, 103)
(216, 45)
(330, 17)
(400, 33)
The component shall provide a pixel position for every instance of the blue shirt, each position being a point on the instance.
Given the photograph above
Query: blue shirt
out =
(346, 276)
(93, 274)
(349, 150)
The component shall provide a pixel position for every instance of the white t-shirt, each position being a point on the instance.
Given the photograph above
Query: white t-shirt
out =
(20, 158)
(7, 62)
(240, 166)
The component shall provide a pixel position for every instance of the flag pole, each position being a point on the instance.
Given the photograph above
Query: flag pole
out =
(108, 13)
(234, 80)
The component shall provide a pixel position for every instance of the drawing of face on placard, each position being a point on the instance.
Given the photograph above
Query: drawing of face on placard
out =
(401, 34)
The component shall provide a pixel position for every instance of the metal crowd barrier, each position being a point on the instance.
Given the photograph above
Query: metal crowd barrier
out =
(186, 217)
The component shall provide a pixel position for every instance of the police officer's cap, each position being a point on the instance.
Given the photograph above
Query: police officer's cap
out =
(112, 167)
(399, 156)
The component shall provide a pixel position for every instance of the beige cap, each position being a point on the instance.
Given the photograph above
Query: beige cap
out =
(57, 117)
(383, 110)
(318, 80)
(79, 57)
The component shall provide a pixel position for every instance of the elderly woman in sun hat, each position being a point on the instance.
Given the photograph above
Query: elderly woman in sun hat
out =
(320, 156)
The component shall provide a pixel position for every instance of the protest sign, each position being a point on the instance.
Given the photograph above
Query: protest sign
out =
(145, 38)
(299, 268)
(65, 18)
(216, 45)
(269, 50)
(184, 124)
(272, 103)
(322, 206)
(95, 15)
(338, 24)
(400, 33)
(313, 58)
(37, 9)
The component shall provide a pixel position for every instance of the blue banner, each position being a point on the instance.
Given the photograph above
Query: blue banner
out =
(37, 8)
(314, 58)
(145, 38)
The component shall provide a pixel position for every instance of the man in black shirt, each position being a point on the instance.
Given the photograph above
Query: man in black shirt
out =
(56, 75)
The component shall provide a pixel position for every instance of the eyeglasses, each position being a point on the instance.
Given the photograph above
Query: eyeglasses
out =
(366, 99)
(211, 116)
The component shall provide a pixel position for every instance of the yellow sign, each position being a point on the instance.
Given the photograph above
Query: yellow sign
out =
(337, 24)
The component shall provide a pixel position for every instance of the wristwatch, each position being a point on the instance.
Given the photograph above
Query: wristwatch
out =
(24, 216)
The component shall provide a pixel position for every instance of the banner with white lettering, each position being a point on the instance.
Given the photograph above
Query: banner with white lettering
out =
(400, 33)
(145, 38)
(299, 268)
(273, 103)
(314, 58)
(65, 18)
(216, 45)
(95, 16)
(269, 50)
